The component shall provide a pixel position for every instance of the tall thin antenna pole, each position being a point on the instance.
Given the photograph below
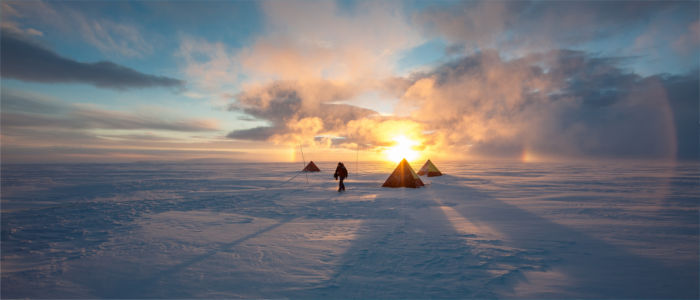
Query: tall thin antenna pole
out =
(304, 160)
(357, 158)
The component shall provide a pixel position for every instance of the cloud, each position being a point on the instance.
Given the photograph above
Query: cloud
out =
(16, 101)
(136, 137)
(323, 41)
(109, 37)
(303, 74)
(543, 25)
(475, 23)
(24, 110)
(261, 133)
(211, 66)
(690, 40)
(35, 145)
(683, 93)
(308, 113)
(25, 60)
(102, 154)
(84, 119)
(305, 41)
(296, 110)
(556, 104)
(531, 97)
(14, 28)
(115, 38)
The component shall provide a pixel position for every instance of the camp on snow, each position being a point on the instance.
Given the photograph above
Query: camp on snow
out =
(311, 167)
(430, 169)
(403, 176)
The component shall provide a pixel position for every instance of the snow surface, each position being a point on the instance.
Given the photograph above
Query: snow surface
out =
(508, 230)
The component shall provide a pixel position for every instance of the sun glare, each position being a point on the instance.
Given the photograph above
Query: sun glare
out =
(403, 148)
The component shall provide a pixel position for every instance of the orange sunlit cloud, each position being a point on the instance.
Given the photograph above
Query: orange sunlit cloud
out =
(456, 80)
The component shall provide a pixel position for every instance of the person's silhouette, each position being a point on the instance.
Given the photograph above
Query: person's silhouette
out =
(342, 173)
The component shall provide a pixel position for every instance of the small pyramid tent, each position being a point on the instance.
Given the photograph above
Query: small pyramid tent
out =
(430, 169)
(311, 167)
(403, 176)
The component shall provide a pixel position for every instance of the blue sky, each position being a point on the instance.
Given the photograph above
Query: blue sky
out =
(237, 79)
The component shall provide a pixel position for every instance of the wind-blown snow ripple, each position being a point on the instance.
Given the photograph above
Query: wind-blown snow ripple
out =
(243, 231)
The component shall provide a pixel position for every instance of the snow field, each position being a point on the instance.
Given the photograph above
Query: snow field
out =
(508, 230)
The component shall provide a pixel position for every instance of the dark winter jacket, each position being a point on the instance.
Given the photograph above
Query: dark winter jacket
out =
(341, 172)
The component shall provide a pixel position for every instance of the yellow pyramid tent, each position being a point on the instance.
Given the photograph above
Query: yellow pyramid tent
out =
(430, 169)
(403, 176)
(311, 167)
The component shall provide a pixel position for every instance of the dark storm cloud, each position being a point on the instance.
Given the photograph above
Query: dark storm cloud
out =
(24, 60)
(560, 103)
(627, 114)
(684, 93)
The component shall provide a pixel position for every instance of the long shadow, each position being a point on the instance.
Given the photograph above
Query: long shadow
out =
(137, 288)
(408, 248)
(417, 253)
(592, 268)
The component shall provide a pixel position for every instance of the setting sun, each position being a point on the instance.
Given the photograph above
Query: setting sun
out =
(403, 148)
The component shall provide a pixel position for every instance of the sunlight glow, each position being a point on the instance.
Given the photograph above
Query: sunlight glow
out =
(403, 148)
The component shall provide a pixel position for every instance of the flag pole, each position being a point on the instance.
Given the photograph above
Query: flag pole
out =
(357, 158)
(304, 160)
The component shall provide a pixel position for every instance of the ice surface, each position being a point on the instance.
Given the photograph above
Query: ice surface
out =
(507, 230)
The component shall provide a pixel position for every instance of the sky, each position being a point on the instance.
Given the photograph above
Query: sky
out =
(132, 81)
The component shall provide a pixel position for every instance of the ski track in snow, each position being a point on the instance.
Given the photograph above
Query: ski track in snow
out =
(508, 230)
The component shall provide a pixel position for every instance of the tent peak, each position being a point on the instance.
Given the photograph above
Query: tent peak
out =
(403, 176)
(430, 169)
(311, 167)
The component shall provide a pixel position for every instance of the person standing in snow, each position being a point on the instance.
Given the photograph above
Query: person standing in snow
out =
(342, 173)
